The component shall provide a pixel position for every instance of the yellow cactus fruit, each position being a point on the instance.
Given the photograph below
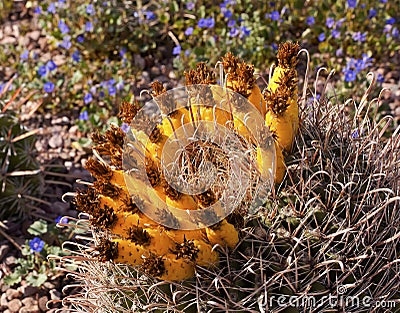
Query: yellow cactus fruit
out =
(223, 234)
(285, 78)
(282, 126)
(177, 269)
(124, 221)
(207, 113)
(280, 167)
(129, 252)
(205, 255)
(174, 121)
(160, 243)
(182, 235)
(257, 100)
(183, 202)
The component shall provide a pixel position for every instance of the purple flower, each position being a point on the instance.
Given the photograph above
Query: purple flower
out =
(383, 1)
(202, 23)
(51, 66)
(125, 127)
(234, 32)
(274, 46)
(112, 91)
(310, 20)
(339, 23)
(246, 32)
(380, 78)
(339, 52)
(176, 50)
(38, 10)
(358, 36)
(61, 220)
(330, 22)
(190, 6)
(102, 94)
(150, 16)
(210, 22)
(122, 51)
(63, 27)
(93, 89)
(390, 21)
(371, 13)
(349, 75)
(352, 3)
(48, 87)
(187, 52)
(231, 23)
(355, 134)
(335, 33)
(51, 8)
(189, 31)
(87, 98)
(90, 9)
(321, 37)
(42, 70)
(227, 13)
(80, 38)
(24, 55)
(84, 116)
(76, 56)
(120, 85)
(36, 244)
(88, 26)
(395, 32)
(275, 15)
(66, 43)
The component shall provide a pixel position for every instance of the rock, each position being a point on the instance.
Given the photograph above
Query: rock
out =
(34, 35)
(30, 309)
(42, 303)
(3, 300)
(8, 40)
(4, 248)
(29, 301)
(14, 305)
(172, 75)
(28, 291)
(55, 294)
(155, 71)
(55, 141)
(10, 260)
(139, 62)
(12, 294)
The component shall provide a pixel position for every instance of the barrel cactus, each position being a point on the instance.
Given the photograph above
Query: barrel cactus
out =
(20, 178)
(326, 229)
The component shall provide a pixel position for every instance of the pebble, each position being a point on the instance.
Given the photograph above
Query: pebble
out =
(55, 294)
(10, 260)
(14, 305)
(3, 300)
(42, 303)
(30, 309)
(55, 141)
(28, 291)
(34, 35)
(12, 294)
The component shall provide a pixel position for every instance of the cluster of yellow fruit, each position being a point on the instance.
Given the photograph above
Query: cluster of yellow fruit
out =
(137, 240)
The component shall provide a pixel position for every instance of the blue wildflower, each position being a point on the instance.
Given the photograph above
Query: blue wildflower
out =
(190, 6)
(330, 22)
(51, 66)
(349, 75)
(93, 89)
(335, 33)
(66, 43)
(176, 50)
(274, 46)
(310, 20)
(352, 3)
(61, 220)
(371, 13)
(24, 55)
(202, 23)
(390, 21)
(355, 134)
(395, 32)
(63, 27)
(90, 9)
(125, 127)
(189, 31)
(120, 85)
(88, 26)
(87, 98)
(358, 36)
(76, 56)
(321, 37)
(150, 16)
(246, 32)
(102, 94)
(187, 52)
(122, 51)
(80, 38)
(339, 52)
(210, 22)
(228, 13)
(339, 23)
(112, 91)
(383, 1)
(36, 244)
(84, 116)
(37, 10)
(234, 32)
(42, 70)
(275, 15)
(51, 8)
(231, 23)
(48, 87)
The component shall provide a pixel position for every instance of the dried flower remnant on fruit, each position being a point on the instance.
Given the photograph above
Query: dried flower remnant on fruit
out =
(201, 75)
(99, 170)
(138, 235)
(110, 144)
(154, 265)
(128, 110)
(106, 250)
(287, 55)
(186, 250)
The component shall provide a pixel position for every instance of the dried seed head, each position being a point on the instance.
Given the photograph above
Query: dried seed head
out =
(107, 250)
(139, 235)
(201, 75)
(287, 54)
(156, 135)
(154, 265)
(98, 169)
(110, 144)
(186, 250)
(128, 110)
(103, 217)
(153, 172)
(158, 88)
(107, 189)
(86, 201)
